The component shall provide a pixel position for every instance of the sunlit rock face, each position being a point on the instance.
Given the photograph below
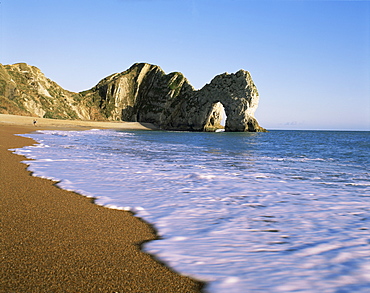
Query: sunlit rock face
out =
(143, 93)
(200, 110)
(216, 117)
(24, 90)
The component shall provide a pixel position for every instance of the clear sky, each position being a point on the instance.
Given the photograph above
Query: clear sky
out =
(310, 60)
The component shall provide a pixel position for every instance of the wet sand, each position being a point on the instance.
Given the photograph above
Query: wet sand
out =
(54, 240)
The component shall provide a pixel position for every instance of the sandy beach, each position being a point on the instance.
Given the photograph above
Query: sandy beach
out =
(45, 123)
(54, 240)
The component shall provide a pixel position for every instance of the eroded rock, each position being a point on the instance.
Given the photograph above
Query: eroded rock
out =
(143, 93)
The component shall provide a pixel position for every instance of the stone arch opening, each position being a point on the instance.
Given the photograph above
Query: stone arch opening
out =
(223, 116)
(216, 119)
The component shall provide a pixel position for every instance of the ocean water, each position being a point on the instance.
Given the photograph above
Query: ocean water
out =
(283, 211)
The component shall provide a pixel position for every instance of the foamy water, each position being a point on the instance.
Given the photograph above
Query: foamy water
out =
(284, 211)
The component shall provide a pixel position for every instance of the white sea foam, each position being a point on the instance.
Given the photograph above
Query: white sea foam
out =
(231, 208)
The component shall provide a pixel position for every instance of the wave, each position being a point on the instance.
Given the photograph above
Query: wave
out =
(229, 211)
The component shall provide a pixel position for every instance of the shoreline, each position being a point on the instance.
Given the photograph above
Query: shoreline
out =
(53, 124)
(58, 240)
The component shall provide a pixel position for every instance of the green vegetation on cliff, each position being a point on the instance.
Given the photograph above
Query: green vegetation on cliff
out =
(142, 93)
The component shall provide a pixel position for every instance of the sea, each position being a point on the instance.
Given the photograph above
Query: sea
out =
(282, 211)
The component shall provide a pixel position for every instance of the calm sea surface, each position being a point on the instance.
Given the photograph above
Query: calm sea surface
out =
(283, 211)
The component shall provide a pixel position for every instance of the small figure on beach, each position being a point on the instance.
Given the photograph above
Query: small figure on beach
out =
(34, 122)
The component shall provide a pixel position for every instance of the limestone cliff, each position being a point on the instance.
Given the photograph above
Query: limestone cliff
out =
(200, 110)
(143, 93)
(24, 90)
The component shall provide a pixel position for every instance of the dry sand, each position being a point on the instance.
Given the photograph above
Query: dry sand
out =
(54, 240)
(45, 123)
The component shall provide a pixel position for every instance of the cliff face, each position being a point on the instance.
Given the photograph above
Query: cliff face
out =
(143, 93)
(200, 110)
(24, 90)
(137, 94)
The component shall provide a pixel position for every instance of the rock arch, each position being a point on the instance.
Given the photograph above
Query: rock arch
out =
(197, 110)
(144, 93)
(214, 121)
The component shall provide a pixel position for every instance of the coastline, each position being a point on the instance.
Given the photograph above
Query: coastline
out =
(52, 124)
(57, 240)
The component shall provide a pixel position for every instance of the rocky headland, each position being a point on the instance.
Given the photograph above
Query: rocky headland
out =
(143, 93)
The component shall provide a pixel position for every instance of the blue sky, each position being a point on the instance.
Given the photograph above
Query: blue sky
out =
(309, 59)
